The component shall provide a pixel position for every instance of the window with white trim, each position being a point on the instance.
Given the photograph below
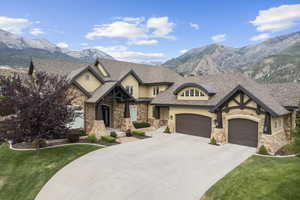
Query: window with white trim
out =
(155, 90)
(129, 89)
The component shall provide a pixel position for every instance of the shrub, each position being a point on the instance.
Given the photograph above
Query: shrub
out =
(39, 143)
(92, 138)
(73, 137)
(128, 133)
(263, 150)
(108, 139)
(138, 133)
(113, 134)
(213, 141)
(82, 132)
(167, 130)
(138, 125)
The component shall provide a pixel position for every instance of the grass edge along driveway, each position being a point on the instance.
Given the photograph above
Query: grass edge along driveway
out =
(24, 173)
(259, 178)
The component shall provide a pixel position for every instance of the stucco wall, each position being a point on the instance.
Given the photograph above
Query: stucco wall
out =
(147, 91)
(131, 81)
(89, 85)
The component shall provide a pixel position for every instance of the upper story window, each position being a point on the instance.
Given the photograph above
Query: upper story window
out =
(155, 90)
(129, 89)
(87, 77)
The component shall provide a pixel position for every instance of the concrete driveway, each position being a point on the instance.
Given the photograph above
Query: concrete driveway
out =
(166, 167)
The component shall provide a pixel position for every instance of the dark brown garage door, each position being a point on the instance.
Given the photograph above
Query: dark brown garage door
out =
(193, 124)
(243, 132)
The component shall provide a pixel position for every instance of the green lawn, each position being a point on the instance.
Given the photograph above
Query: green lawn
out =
(23, 173)
(259, 178)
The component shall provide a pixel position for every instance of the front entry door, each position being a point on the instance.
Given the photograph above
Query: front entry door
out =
(133, 112)
(106, 115)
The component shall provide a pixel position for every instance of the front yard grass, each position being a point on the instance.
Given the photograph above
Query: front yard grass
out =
(259, 178)
(23, 173)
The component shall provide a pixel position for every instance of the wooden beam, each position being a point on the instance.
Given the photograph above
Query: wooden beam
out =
(126, 110)
(267, 124)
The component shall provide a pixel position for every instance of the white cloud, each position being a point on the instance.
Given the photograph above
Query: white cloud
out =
(143, 42)
(62, 45)
(14, 25)
(183, 51)
(36, 31)
(134, 29)
(121, 29)
(195, 26)
(162, 27)
(277, 18)
(84, 44)
(219, 38)
(262, 36)
(121, 52)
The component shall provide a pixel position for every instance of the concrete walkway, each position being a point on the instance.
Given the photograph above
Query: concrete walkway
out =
(165, 167)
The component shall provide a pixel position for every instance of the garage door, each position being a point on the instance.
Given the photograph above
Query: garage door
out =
(193, 125)
(243, 132)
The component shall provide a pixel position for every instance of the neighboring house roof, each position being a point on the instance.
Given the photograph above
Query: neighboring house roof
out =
(224, 83)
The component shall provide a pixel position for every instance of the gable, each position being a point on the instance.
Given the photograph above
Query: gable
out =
(101, 69)
(131, 81)
(88, 81)
(241, 98)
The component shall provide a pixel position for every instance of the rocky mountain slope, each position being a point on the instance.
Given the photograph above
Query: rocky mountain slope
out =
(274, 60)
(17, 51)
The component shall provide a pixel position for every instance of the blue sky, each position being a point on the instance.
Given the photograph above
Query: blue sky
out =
(153, 30)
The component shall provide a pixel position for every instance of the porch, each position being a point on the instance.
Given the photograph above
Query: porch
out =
(110, 110)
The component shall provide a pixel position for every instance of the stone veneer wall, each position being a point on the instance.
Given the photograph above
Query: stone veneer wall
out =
(89, 116)
(142, 112)
(80, 97)
(117, 114)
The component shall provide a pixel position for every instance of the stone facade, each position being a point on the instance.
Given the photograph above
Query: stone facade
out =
(89, 116)
(142, 111)
(80, 97)
(117, 114)
(126, 124)
(99, 129)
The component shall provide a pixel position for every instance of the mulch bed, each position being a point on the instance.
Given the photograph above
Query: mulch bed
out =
(27, 145)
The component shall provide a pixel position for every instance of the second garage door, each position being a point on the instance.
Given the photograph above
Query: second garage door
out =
(243, 132)
(193, 125)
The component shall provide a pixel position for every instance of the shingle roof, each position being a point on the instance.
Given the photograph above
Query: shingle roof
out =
(116, 69)
(223, 83)
(147, 73)
(287, 94)
(57, 66)
(101, 91)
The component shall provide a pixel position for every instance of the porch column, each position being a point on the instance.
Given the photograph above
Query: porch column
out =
(126, 111)
(267, 124)
(219, 119)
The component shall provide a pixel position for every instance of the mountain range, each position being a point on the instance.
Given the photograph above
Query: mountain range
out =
(274, 60)
(17, 51)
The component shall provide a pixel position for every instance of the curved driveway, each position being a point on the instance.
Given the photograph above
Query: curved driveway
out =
(166, 167)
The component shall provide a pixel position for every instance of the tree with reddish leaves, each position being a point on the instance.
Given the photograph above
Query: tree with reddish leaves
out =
(41, 105)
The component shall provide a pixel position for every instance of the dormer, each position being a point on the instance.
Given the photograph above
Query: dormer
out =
(194, 91)
(101, 68)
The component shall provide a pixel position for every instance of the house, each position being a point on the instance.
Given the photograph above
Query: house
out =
(227, 106)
